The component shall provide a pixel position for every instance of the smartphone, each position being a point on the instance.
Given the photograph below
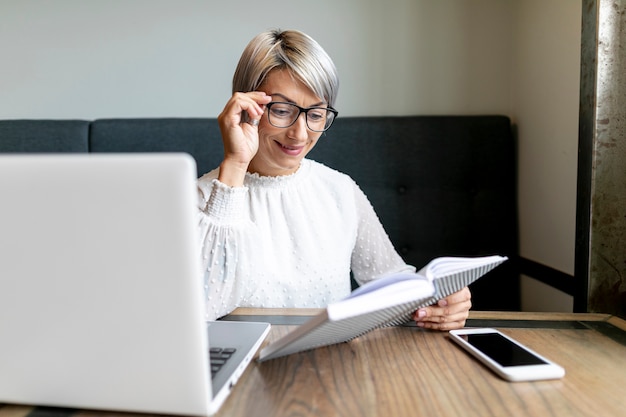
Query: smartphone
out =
(506, 357)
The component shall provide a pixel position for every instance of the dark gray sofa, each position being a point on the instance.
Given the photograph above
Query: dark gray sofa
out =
(442, 185)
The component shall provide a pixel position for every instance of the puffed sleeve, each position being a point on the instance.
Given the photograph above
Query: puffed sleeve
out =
(374, 254)
(222, 220)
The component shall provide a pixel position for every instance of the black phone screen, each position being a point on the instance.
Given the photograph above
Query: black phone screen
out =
(502, 350)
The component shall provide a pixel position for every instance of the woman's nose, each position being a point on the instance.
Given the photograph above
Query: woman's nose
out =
(299, 129)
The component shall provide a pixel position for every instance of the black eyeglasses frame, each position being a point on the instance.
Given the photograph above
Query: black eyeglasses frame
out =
(301, 110)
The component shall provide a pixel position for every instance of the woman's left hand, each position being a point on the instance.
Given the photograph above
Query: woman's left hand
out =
(448, 314)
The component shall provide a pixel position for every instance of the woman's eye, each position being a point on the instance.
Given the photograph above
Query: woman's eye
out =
(316, 115)
(281, 112)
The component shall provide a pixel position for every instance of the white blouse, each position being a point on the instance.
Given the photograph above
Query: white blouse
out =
(288, 241)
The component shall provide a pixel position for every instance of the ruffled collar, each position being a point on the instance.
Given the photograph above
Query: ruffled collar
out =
(279, 181)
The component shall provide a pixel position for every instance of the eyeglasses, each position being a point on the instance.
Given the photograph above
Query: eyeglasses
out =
(318, 119)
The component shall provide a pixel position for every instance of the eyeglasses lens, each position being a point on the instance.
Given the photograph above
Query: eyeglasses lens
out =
(318, 119)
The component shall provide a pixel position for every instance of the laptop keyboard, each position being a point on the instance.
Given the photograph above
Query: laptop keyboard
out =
(219, 357)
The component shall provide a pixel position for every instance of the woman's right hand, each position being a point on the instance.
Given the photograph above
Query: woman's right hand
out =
(241, 139)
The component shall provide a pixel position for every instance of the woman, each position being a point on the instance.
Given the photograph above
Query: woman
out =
(279, 230)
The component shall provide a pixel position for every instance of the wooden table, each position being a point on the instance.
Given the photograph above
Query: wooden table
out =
(406, 371)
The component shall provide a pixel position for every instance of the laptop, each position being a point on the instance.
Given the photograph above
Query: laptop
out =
(101, 294)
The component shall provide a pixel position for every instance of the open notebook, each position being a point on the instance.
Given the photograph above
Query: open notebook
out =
(101, 295)
(388, 301)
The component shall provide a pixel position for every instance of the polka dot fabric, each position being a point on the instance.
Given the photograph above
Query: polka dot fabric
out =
(288, 241)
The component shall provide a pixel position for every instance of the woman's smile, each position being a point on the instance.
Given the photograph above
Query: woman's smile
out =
(290, 149)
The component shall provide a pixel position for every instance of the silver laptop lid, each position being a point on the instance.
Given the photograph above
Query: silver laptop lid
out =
(100, 290)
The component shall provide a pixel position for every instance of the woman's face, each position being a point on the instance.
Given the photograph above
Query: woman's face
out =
(282, 149)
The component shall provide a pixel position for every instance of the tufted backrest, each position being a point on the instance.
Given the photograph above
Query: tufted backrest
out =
(198, 137)
(441, 185)
(24, 136)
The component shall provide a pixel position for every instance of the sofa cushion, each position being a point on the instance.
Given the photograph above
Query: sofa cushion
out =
(441, 185)
(42, 136)
(200, 138)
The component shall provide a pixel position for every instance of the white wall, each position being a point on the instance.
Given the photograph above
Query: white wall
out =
(133, 58)
(546, 74)
(158, 58)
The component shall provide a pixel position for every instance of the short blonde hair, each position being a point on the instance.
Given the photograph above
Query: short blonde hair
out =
(292, 50)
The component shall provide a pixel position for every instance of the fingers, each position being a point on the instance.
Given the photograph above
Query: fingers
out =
(252, 103)
(241, 140)
(449, 313)
(256, 107)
